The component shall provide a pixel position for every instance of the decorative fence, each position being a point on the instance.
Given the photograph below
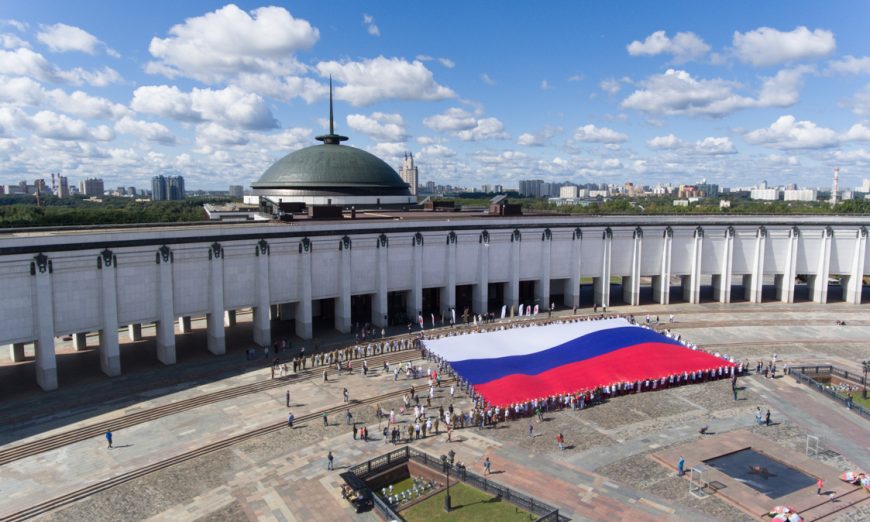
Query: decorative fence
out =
(545, 512)
(805, 374)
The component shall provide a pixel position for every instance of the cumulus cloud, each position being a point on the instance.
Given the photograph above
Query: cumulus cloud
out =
(447, 62)
(860, 103)
(24, 91)
(766, 46)
(487, 79)
(850, 65)
(11, 41)
(676, 92)
(213, 134)
(683, 46)
(146, 130)
(592, 134)
(25, 62)
(54, 126)
(788, 133)
(231, 106)
(486, 129)
(610, 86)
(537, 139)
(376, 79)
(711, 146)
(379, 126)
(370, 25)
(62, 38)
(437, 151)
(230, 41)
(451, 120)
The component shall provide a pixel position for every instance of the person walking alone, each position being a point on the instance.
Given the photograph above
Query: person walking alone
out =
(288, 397)
(329, 459)
(487, 466)
(109, 438)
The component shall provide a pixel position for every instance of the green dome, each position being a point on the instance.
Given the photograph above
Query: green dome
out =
(331, 166)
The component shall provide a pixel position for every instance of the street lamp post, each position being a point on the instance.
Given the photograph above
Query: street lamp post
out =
(866, 365)
(447, 506)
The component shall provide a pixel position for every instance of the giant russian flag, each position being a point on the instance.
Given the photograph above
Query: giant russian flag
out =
(519, 364)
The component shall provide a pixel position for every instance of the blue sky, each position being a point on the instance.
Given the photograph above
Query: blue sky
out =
(480, 92)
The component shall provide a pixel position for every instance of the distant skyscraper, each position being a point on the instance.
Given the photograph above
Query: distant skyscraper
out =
(531, 187)
(158, 189)
(92, 187)
(835, 186)
(236, 191)
(409, 172)
(175, 187)
(131, 191)
(62, 187)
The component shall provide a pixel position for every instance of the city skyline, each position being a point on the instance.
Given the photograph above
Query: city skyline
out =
(564, 92)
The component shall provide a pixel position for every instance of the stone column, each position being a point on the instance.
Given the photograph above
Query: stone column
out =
(692, 282)
(342, 303)
(661, 283)
(134, 332)
(542, 288)
(414, 304)
(631, 284)
(216, 335)
(512, 289)
(722, 281)
(785, 281)
(165, 307)
(379, 301)
(80, 341)
(304, 327)
(261, 311)
(855, 279)
(572, 294)
(448, 291)
(16, 352)
(756, 279)
(480, 291)
(46, 361)
(601, 284)
(818, 282)
(110, 353)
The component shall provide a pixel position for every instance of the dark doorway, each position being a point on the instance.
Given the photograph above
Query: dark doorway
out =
(323, 315)
(495, 297)
(527, 293)
(396, 308)
(464, 298)
(432, 303)
(360, 309)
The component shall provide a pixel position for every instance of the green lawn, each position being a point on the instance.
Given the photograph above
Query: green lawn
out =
(856, 397)
(469, 504)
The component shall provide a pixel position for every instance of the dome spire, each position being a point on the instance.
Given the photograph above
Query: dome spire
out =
(332, 138)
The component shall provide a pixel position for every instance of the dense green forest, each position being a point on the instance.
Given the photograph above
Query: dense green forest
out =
(21, 211)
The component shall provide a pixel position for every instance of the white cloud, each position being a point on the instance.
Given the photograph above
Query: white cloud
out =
(437, 151)
(710, 146)
(447, 63)
(850, 65)
(62, 38)
(370, 25)
(683, 46)
(379, 126)
(19, 25)
(860, 103)
(230, 107)
(25, 91)
(592, 134)
(230, 41)
(451, 120)
(487, 79)
(486, 129)
(788, 133)
(381, 78)
(51, 125)
(25, 62)
(611, 163)
(676, 92)
(545, 85)
(610, 86)
(213, 134)
(11, 41)
(576, 77)
(392, 151)
(766, 46)
(537, 139)
(282, 88)
(147, 130)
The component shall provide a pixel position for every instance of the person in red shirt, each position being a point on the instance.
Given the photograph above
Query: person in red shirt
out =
(820, 484)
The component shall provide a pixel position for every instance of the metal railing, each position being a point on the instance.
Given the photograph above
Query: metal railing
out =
(545, 512)
(803, 374)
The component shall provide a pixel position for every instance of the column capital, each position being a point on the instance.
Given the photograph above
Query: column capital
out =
(106, 259)
(164, 253)
(305, 245)
(215, 251)
(383, 241)
(41, 263)
(638, 233)
(516, 235)
(418, 239)
(451, 238)
(484, 237)
(345, 243)
(577, 234)
(262, 248)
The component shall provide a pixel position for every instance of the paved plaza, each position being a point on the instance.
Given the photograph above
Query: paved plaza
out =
(606, 472)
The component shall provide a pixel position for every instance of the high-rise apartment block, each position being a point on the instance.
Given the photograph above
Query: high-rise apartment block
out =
(167, 188)
(409, 173)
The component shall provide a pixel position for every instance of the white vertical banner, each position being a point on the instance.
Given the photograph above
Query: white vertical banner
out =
(433, 320)
(521, 309)
(536, 309)
(503, 310)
